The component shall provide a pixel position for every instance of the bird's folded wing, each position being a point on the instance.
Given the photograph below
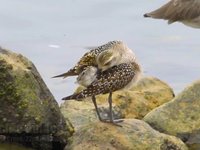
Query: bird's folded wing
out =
(112, 79)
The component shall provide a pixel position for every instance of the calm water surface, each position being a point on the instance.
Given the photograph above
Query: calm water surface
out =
(55, 34)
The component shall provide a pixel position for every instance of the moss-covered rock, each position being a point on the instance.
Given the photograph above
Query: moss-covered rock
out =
(28, 111)
(180, 117)
(133, 135)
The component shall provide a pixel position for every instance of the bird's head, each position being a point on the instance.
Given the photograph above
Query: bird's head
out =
(112, 55)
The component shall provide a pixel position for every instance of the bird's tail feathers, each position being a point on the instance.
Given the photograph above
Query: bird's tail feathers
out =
(76, 96)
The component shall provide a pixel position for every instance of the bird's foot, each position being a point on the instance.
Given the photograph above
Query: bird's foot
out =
(114, 122)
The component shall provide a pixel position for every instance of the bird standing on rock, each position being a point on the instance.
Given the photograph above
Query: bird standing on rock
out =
(117, 69)
(185, 11)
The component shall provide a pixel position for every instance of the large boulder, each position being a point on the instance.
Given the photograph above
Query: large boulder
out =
(180, 117)
(29, 113)
(148, 94)
(133, 135)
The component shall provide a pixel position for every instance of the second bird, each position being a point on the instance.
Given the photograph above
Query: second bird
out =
(185, 11)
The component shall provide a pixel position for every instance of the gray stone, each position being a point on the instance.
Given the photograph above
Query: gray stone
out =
(133, 135)
(180, 117)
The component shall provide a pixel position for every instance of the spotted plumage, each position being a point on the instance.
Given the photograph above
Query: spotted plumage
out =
(113, 79)
(106, 69)
(88, 59)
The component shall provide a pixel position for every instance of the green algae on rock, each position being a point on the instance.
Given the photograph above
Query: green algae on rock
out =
(180, 117)
(28, 109)
(133, 135)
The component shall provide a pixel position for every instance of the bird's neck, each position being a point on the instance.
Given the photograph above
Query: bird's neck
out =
(127, 57)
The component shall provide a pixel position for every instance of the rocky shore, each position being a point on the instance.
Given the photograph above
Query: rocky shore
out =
(154, 118)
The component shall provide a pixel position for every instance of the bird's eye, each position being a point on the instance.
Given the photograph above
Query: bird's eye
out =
(108, 63)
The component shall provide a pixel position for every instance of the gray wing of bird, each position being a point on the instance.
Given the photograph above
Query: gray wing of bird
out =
(177, 10)
(113, 79)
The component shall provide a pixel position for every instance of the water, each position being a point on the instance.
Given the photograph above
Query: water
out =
(55, 34)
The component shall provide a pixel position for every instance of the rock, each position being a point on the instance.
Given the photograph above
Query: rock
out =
(148, 94)
(28, 110)
(2, 138)
(134, 135)
(13, 146)
(180, 117)
(135, 103)
(81, 113)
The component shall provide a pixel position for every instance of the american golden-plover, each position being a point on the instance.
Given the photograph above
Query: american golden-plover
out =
(113, 66)
(115, 78)
(185, 11)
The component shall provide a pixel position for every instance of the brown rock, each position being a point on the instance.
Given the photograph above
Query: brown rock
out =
(133, 135)
(180, 117)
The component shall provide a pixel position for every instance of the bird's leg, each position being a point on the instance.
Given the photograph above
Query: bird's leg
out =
(110, 106)
(110, 111)
(96, 108)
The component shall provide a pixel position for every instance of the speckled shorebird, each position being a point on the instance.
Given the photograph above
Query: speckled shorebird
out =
(120, 76)
(185, 11)
(108, 56)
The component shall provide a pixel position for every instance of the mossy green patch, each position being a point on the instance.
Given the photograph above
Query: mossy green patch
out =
(8, 95)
